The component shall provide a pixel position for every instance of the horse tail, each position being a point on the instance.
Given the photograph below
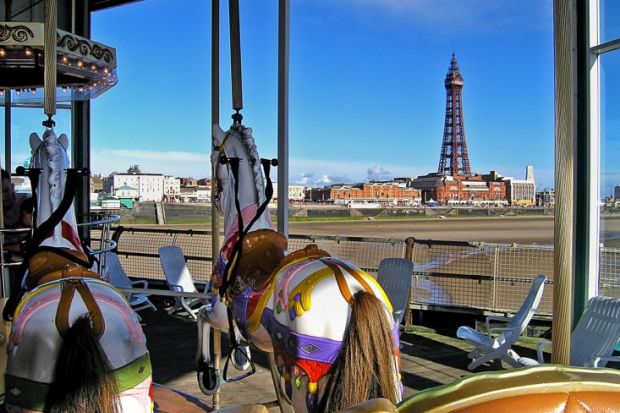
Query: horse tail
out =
(83, 378)
(365, 367)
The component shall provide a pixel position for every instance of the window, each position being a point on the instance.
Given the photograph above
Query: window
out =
(604, 87)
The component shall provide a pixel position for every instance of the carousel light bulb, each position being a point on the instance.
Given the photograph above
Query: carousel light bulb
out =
(80, 89)
(80, 63)
(2, 52)
(106, 70)
(65, 59)
(28, 51)
(93, 68)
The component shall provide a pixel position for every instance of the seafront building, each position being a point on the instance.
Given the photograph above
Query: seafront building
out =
(521, 192)
(392, 193)
(140, 186)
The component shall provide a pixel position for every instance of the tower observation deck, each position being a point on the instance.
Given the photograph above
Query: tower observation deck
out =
(454, 160)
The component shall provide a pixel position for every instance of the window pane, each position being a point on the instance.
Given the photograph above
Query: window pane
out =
(610, 174)
(610, 20)
(24, 121)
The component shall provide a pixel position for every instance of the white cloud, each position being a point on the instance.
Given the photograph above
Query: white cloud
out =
(106, 161)
(319, 172)
(378, 173)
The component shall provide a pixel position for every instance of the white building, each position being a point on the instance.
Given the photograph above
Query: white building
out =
(203, 194)
(126, 191)
(295, 193)
(172, 186)
(522, 191)
(195, 194)
(150, 187)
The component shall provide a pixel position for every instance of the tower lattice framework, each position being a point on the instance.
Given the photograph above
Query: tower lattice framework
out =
(454, 160)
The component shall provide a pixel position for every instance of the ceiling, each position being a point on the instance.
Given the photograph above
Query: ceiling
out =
(96, 5)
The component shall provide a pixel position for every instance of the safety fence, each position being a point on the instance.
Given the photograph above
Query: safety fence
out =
(448, 275)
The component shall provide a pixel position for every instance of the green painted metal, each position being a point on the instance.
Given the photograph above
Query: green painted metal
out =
(583, 166)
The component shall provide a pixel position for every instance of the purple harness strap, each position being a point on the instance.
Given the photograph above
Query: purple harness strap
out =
(300, 345)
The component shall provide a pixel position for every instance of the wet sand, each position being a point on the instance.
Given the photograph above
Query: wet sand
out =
(520, 230)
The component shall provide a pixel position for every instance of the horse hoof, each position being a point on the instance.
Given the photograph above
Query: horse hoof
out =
(208, 381)
(240, 357)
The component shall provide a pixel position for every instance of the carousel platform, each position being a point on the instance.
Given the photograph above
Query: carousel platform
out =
(430, 357)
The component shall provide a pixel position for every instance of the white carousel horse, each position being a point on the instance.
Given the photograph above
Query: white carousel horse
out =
(69, 352)
(328, 322)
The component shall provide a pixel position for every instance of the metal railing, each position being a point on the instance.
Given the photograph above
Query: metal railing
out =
(458, 276)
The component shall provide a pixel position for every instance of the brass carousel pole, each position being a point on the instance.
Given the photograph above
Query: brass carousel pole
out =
(7, 106)
(216, 334)
(565, 58)
(49, 70)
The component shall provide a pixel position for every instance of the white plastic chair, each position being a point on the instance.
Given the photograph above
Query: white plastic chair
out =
(497, 343)
(594, 338)
(115, 273)
(395, 277)
(179, 279)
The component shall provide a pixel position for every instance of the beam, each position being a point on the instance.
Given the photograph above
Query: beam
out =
(80, 129)
(97, 5)
(283, 93)
(564, 12)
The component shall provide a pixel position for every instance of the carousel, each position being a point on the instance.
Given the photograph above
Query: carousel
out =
(71, 341)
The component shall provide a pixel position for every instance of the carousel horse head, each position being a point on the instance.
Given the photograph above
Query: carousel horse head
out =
(76, 345)
(49, 154)
(237, 164)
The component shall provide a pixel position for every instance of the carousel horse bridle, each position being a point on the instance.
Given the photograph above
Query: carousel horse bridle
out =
(233, 163)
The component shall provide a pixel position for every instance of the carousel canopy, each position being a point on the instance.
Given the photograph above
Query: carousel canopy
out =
(85, 68)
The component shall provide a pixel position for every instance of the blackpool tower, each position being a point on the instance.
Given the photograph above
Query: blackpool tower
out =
(454, 160)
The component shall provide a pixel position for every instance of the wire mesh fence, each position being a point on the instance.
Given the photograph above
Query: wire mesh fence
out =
(366, 253)
(456, 275)
(494, 277)
(609, 272)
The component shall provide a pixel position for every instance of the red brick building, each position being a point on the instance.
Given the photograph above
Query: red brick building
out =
(463, 190)
(385, 192)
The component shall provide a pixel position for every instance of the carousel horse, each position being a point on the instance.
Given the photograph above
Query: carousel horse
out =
(327, 322)
(75, 345)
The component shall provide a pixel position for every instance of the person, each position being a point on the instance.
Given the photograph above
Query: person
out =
(27, 210)
(11, 202)
(13, 218)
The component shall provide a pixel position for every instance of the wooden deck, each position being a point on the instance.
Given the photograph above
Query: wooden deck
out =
(430, 357)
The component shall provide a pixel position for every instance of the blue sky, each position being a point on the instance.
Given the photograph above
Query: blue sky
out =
(366, 86)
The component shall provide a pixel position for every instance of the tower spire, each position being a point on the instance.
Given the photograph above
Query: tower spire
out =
(454, 160)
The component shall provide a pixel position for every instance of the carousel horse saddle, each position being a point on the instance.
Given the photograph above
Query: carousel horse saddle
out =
(46, 312)
(52, 264)
(263, 255)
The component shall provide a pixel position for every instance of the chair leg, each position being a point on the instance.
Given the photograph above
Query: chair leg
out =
(192, 313)
(512, 358)
(484, 358)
